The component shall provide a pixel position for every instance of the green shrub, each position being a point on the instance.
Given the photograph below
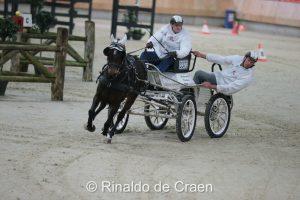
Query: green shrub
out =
(44, 20)
(131, 18)
(34, 29)
(8, 29)
(35, 7)
(138, 31)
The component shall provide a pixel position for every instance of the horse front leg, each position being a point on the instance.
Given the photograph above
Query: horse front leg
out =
(92, 114)
(108, 123)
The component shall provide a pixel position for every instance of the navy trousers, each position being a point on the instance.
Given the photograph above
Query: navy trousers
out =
(162, 64)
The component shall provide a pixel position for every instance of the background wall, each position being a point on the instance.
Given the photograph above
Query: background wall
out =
(270, 16)
(278, 12)
(264, 11)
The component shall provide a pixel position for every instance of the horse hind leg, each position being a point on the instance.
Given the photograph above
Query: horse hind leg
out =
(127, 106)
(107, 124)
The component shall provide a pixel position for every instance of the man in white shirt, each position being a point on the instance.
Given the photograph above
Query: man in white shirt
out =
(238, 72)
(170, 42)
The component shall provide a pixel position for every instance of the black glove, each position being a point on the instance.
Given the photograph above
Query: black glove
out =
(149, 45)
(172, 54)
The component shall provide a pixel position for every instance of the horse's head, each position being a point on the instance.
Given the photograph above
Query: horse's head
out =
(115, 53)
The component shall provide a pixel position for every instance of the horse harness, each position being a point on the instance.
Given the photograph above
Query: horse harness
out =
(128, 76)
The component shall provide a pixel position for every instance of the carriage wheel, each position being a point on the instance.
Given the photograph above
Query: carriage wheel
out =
(122, 124)
(186, 118)
(217, 116)
(154, 123)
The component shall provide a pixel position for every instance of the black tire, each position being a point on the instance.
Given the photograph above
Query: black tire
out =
(154, 123)
(217, 115)
(187, 110)
(123, 123)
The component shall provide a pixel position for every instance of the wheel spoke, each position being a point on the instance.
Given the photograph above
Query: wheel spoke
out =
(187, 119)
(218, 117)
(153, 120)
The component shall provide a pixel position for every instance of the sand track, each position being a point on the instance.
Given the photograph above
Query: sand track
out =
(46, 153)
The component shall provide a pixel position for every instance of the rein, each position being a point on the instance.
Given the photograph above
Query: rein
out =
(135, 51)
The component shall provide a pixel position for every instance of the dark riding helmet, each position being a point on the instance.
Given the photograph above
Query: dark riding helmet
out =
(253, 55)
(176, 19)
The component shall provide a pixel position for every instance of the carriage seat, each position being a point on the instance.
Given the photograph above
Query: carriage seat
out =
(181, 65)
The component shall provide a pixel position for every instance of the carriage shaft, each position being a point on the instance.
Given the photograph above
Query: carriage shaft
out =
(131, 112)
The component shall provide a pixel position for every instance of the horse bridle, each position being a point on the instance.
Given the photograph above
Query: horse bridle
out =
(121, 48)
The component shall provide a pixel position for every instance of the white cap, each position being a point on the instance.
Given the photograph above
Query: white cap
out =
(252, 54)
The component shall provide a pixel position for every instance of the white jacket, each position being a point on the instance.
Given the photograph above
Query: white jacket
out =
(234, 77)
(179, 42)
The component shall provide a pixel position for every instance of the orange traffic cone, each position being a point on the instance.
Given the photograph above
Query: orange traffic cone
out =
(205, 30)
(261, 56)
(242, 28)
(235, 30)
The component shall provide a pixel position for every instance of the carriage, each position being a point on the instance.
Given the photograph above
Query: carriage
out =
(174, 95)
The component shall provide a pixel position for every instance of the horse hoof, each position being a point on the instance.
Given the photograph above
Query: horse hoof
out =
(108, 139)
(104, 132)
(91, 129)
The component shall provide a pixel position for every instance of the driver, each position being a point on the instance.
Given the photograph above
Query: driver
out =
(170, 42)
(237, 75)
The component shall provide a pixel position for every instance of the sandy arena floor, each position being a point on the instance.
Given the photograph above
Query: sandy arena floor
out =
(46, 154)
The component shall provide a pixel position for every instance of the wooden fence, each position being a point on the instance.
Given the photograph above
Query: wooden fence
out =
(62, 48)
(12, 51)
(85, 61)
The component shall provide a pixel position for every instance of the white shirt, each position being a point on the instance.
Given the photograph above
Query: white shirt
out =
(234, 77)
(179, 42)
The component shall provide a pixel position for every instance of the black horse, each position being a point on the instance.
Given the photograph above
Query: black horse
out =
(122, 77)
